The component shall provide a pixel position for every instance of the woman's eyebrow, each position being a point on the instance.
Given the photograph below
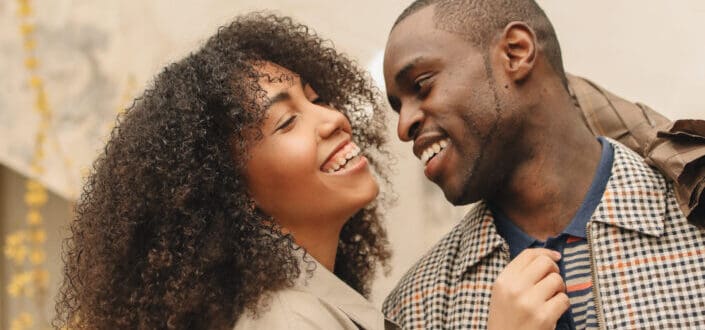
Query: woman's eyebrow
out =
(281, 96)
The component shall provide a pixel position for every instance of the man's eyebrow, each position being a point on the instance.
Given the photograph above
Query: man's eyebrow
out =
(399, 77)
(282, 96)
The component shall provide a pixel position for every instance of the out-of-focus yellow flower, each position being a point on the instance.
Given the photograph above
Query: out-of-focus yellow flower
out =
(34, 218)
(25, 9)
(15, 249)
(31, 63)
(35, 198)
(41, 278)
(26, 29)
(35, 81)
(33, 185)
(34, 279)
(26, 319)
(29, 44)
(42, 103)
(39, 155)
(14, 289)
(18, 284)
(42, 106)
(37, 257)
(37, 169)
(22, 321)
(38, 236)
(15, 238)
(17, 254)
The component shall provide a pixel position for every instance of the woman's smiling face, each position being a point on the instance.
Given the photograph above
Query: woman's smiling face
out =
(305, 171)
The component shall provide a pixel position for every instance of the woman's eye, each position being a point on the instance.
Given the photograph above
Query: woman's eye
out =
(288, 124)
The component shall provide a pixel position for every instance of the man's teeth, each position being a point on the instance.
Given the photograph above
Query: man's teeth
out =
(339, 163)
(432, 150)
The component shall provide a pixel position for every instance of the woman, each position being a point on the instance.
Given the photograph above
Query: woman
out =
(186, 220)
(237, 191)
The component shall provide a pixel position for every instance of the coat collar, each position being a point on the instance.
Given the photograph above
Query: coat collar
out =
(634, 199)
(478, 238)
(331, 289)
(635, 196)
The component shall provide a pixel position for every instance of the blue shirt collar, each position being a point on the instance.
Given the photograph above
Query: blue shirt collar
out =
(518, 240)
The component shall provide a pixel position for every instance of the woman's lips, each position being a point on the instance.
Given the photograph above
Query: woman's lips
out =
(357, 163)
(341, 157)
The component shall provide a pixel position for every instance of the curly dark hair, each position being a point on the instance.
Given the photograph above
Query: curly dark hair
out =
(165, 235)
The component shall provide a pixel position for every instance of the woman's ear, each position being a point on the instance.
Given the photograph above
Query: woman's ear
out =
(517, 49)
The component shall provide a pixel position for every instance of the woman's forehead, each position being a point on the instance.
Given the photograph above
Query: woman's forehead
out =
(275, 74)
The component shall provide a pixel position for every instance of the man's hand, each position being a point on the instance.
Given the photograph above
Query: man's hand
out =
(529, 293)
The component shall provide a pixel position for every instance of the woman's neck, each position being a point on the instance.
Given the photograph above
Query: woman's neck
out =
(321, 243)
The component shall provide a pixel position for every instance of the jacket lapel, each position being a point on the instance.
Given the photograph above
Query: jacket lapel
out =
(478, 238)
(332, 290)
(635, 196)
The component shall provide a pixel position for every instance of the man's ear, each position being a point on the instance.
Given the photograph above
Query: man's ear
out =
(517, 48)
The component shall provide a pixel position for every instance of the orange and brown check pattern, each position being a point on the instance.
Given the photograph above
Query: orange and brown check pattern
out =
(648, 262)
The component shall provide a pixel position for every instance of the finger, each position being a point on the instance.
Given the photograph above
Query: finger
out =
(527, 256)
(548, 287)
(554, 308)
(539, 268)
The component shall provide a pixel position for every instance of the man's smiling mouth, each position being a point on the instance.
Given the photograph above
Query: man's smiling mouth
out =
(432, 150)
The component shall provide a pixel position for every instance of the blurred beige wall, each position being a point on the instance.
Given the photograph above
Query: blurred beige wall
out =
(93, 53)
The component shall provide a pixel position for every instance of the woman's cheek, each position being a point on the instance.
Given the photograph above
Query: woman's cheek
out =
(297, 156)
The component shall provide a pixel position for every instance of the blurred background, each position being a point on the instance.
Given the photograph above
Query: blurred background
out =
(68, 67)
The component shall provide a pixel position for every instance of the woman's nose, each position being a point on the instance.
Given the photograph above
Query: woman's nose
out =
(332, 122)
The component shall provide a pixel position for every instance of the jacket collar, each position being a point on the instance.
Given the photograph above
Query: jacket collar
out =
(331, 289)
(634, 199)
(635, 196)
(477, 238)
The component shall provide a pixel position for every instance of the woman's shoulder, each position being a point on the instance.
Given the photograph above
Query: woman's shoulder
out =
(293, 308)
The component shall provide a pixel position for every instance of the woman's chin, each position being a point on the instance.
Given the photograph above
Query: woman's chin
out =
(366, 197)
(369, 193)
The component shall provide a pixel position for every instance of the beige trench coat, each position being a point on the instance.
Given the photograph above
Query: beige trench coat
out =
(321, 301)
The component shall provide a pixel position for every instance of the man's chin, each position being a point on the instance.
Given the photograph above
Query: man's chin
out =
(458, 197)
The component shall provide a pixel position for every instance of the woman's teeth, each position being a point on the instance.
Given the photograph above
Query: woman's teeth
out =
(343, 159)
(432, 150)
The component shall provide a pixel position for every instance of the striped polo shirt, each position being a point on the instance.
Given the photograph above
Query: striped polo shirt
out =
(572, 244)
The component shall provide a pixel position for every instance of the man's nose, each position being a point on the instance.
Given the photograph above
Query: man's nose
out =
(410, 119)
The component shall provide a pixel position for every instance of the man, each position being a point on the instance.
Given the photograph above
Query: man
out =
(480, 90)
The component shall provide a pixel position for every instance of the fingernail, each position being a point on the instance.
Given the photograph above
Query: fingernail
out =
(557, 254)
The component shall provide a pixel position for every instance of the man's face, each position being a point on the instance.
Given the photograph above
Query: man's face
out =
(448, 105)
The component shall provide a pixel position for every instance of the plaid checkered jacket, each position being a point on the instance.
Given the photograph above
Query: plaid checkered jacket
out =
(647, 261)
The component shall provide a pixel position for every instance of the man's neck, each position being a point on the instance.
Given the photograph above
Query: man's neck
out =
(544, 192)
